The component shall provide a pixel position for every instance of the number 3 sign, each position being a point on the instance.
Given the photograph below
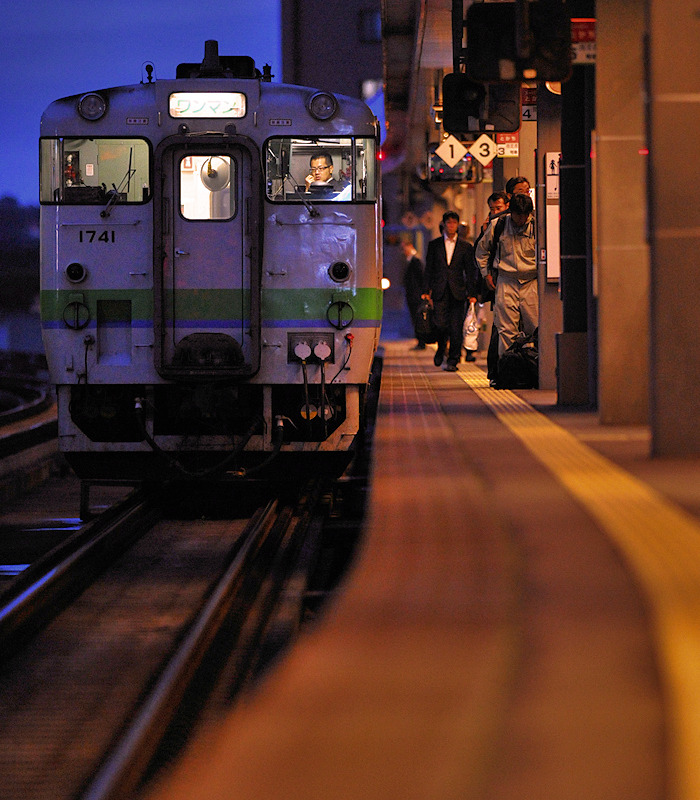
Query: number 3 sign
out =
(484, 149)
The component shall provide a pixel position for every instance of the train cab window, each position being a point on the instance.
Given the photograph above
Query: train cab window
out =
(79, 171)
(207, 187)
(339, 170)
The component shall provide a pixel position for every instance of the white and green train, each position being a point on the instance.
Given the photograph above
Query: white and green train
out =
(204, 305)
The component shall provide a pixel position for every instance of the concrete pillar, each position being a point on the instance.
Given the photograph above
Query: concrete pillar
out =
(674, 128)
(619, 178)
(548, 140)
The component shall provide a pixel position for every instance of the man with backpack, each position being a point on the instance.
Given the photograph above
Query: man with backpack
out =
(516, 304)
(498, 207)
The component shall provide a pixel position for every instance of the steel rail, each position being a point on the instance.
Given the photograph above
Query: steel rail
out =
(40, 427)
(45, 588)
(124, 768)
(238, 611)
(30, 397)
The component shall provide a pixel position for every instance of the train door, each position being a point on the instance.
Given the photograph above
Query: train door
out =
(207, 259)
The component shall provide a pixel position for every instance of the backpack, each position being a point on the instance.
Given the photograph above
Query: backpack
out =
(518, 367)
(487, 295)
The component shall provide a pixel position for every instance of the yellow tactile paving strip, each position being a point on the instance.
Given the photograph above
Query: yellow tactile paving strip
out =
(660, 540)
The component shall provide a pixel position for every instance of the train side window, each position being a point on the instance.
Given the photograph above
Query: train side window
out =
(365, 169)
(82, 171)
(207, 187)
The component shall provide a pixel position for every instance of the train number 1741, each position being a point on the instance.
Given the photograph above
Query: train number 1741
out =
(94, 236)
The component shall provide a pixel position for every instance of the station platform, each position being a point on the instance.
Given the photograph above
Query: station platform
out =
(522, 621)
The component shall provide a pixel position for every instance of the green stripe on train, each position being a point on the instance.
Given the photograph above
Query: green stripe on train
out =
(313, 303)
(203, 304)
(53, 303)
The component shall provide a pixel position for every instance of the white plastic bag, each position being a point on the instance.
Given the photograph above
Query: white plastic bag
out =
(470, 331)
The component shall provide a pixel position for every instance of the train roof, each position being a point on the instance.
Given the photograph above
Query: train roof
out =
(217, 74)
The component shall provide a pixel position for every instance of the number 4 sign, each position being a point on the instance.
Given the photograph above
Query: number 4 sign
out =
(484, 149)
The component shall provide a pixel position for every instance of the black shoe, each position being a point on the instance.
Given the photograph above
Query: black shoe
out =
(450, 367)
(419, 346)
(470, 356)
(437, 359)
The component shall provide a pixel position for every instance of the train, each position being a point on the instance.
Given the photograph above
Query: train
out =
(207, 306)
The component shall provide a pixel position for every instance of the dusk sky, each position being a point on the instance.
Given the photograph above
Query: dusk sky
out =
(55, 48)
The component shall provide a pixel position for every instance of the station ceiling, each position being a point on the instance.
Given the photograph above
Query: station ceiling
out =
(417, 41)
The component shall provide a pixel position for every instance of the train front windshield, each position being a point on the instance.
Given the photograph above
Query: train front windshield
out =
(91, 171)
(341, 170)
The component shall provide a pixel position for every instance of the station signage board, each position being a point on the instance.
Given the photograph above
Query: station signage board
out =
(583, 45)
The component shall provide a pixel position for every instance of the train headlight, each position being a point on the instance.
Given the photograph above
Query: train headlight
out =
(76, 272)
(92, 107)
(322, 106)
(339, 271)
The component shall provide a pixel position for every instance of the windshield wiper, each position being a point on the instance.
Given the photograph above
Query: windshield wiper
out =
(114, 193)
(308, 205)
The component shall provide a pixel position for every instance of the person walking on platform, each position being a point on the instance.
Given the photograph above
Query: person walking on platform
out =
(516, 185)
(498, 205)
(450, 278)
(517, 303)
(413, 280)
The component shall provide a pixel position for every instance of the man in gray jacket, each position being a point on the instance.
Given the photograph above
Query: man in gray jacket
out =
(517, 303)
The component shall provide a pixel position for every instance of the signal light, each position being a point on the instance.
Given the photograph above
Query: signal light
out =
(461, 98)
(465, 102)
(505, 45)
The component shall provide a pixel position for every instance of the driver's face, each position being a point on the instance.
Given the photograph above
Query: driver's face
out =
(321, 169)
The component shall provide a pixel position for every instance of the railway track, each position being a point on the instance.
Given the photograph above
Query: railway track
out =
(28, 431)
(144, 623)
(27, 413)
(42, 590)
(152, 618)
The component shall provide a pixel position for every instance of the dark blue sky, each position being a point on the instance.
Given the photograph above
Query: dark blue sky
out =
(55, 48)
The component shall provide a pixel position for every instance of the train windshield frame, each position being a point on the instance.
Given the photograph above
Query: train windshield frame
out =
(80, 170)
(353, 179)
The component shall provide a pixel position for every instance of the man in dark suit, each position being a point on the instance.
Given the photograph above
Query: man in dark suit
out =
(450, 278)
(413, 285)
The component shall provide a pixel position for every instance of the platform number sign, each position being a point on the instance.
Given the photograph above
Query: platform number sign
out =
(484, 149)
(451, 151)
(528, 104)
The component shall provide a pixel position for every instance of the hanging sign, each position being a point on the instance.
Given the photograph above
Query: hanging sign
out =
(484, 149)
(451, 151)
(583, 41)
(508, 145)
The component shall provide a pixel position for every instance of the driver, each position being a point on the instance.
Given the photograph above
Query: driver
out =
(321, 173)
